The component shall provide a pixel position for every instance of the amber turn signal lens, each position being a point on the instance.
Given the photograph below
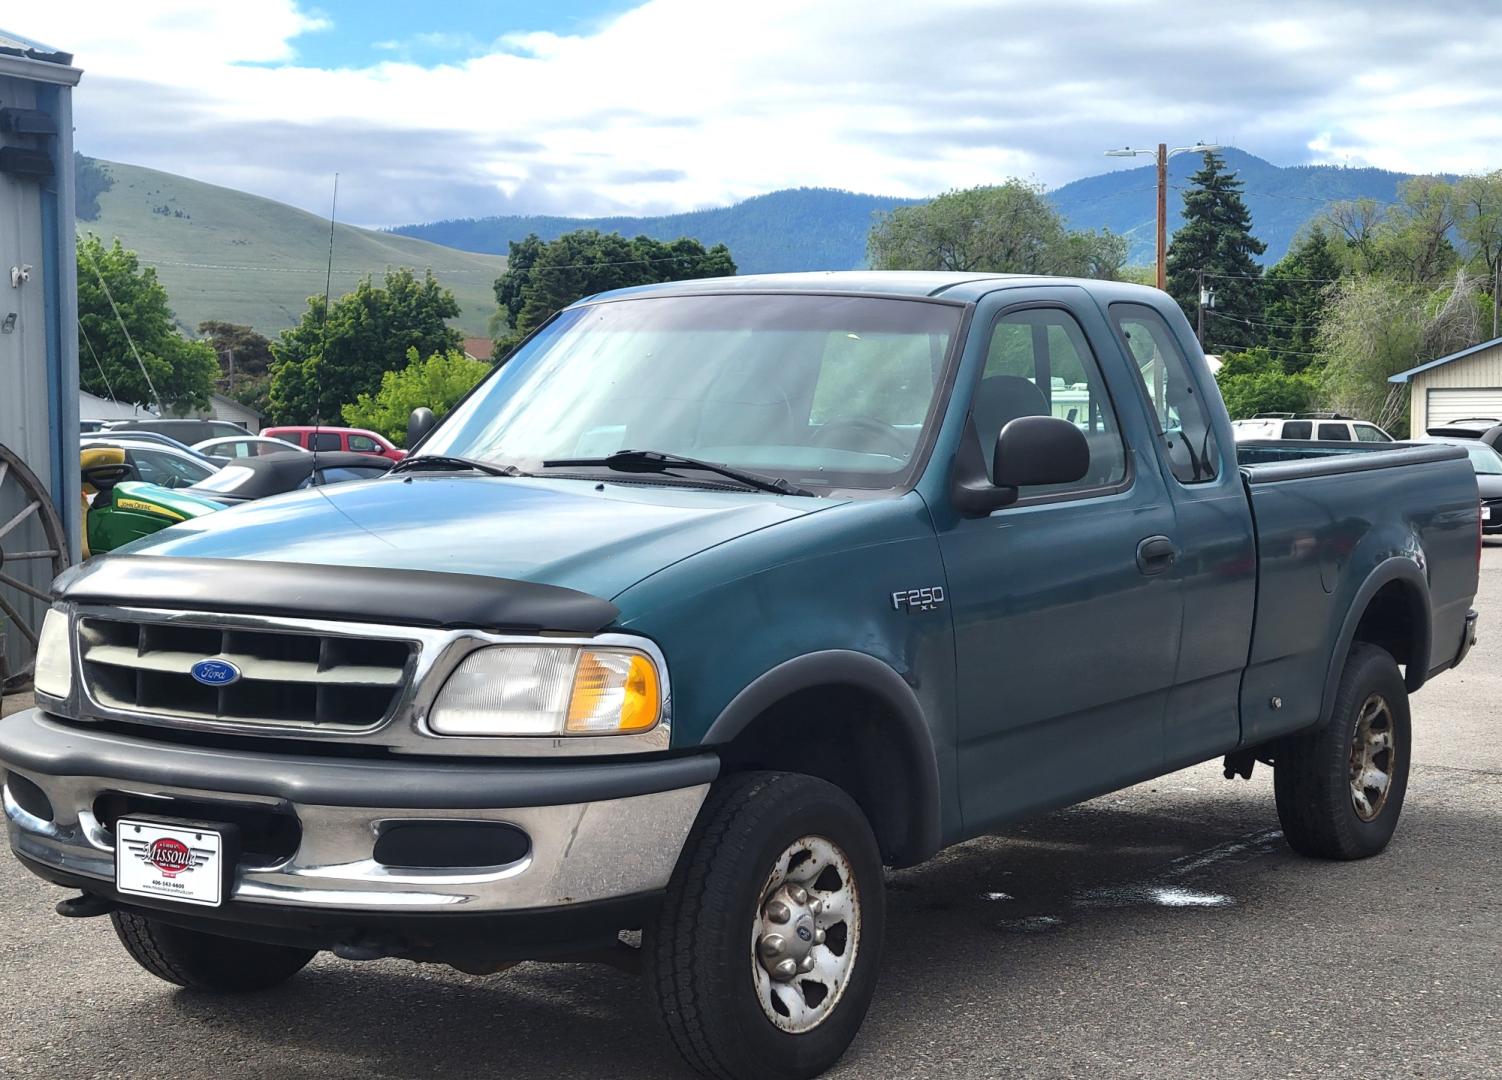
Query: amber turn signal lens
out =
(615, 692)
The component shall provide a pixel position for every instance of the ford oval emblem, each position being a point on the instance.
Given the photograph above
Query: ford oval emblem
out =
(215, 672)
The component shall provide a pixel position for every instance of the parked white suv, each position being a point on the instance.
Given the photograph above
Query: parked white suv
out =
(1330, 427)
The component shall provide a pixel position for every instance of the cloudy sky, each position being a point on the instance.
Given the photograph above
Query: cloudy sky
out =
(470, 107)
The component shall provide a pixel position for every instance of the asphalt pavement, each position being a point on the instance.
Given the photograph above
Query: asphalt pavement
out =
(1164, 931)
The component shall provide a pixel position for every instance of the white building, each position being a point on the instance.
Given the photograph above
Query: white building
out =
(1464, 385)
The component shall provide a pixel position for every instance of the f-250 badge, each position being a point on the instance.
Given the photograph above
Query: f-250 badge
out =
(913, 601)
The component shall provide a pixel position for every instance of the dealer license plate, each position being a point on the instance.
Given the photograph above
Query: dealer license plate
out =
(184, 862)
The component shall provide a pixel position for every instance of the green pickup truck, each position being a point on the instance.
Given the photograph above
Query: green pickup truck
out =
(717, 597)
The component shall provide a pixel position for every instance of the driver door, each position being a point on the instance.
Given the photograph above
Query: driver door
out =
(1066, 632)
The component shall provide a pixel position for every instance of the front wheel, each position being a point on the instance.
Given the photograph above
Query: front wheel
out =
(763, 958)
(207, 962)
(1340, 788)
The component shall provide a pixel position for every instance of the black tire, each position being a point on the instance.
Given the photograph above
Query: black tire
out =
(1312, 775)
(206, 962)
(697, 953)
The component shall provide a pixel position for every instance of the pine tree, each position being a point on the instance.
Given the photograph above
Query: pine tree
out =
(1296, 295)
(1216, 237)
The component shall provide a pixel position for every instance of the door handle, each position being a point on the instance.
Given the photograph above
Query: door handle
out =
(1155, 554)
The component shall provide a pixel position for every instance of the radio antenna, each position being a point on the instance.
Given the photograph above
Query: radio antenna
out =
(323, 333)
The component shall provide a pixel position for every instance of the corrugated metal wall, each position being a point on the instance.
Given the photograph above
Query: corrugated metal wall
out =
(1483, 370)
(39, 355)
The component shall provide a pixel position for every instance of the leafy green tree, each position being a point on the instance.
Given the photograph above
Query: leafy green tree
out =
(243, 353)
(1297, 292)
(1005, 228)
(542, 278)
(1216, 238)
(1256, 381)
(436, 383)
(1478, 220)
(369, 332)
(90, 180)
(1376, 326)
(123, 312)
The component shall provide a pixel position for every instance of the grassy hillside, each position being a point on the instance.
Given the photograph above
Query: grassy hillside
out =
(223, 254)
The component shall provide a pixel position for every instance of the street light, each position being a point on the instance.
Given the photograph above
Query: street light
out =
(1163, 154)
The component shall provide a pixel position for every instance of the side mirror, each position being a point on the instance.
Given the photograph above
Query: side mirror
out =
(419, 424)
(1029, 450)
(1034, 450)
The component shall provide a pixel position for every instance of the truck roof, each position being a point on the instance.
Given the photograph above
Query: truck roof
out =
(918, 283)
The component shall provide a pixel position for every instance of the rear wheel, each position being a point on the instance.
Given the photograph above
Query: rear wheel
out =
(763, 958)
(206, 962)
(1340, 789)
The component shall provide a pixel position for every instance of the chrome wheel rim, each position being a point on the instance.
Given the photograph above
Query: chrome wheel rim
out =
(1374, 758)
(805, 934)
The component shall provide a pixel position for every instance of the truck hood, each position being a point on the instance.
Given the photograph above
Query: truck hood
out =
(598, 538)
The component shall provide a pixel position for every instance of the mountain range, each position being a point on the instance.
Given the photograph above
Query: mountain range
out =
(226, 254)
(826, 229)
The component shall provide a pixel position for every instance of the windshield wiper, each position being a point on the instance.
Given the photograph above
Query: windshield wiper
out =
(653, 461)
(448, 462)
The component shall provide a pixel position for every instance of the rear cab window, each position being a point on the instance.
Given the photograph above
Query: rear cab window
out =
(1186, 437)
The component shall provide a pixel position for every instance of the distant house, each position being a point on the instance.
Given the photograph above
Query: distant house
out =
(478, 348)
(1464, 385)
(227, 408)
(93, 407)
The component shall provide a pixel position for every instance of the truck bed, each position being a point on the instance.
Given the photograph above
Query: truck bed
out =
(1327, 515)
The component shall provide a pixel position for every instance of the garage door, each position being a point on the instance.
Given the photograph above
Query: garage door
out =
(1447, 406)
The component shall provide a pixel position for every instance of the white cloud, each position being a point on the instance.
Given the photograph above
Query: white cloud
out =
(683, 103)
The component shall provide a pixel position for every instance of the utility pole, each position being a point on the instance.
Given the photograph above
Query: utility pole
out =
(1199, 323)
(1163, 218)
(1163, 153)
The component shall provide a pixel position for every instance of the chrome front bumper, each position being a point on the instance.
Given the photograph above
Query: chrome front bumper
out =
(597, 831)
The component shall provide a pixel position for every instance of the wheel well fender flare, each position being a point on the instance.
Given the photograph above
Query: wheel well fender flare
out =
(1416, 590)
(841, 667)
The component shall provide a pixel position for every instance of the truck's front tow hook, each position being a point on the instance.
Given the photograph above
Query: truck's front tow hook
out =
(86, 906)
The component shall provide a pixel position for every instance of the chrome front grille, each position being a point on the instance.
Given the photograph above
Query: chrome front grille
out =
(287, 677)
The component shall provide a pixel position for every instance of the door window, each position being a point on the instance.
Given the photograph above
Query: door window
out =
(1040, 364)
(323, 440)
(363, 444)
(1187, 438)
(1370, 433)
(1335, 432)
(1298, 429)
(168, 471)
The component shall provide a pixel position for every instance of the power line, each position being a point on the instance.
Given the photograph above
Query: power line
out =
(107, 387)
(1270, 348)
(1247, 320)
(1263, 280)
(128, 340)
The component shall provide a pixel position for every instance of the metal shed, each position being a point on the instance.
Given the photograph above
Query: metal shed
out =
(1464, 385)
(38, 315)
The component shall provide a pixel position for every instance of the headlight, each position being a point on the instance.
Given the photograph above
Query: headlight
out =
(550, 690)
(53, 674)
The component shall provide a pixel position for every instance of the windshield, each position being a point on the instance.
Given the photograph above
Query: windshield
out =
(831, 391)
(226, 479)
(1484, 459)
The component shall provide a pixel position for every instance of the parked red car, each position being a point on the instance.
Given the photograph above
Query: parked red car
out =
(355, 440)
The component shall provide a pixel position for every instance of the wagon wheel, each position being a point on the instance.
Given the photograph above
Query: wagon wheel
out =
(31, 538)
